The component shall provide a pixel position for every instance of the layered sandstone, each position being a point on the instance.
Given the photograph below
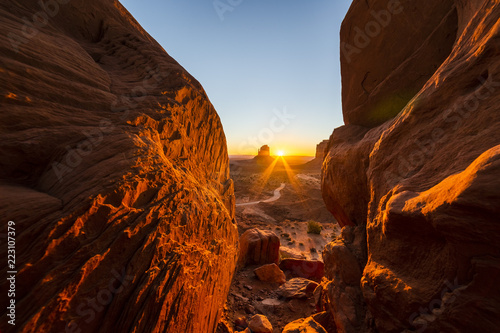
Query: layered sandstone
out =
(320, 149)
(113, 166)
(416, 170)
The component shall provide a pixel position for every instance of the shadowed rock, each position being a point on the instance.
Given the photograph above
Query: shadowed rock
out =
(309, 269)
(258, 247)
(114, 168)
(270, 273)
(418, 175)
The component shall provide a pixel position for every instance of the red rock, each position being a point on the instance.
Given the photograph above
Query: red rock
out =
(270, 273)
(344, 294)
(114, 167)
(423, 181)
(320, 149)
(308, 269)
(241, 322)
(382, 69)
(297, 288)
(304, 325)
(260, 324)
(258, 247)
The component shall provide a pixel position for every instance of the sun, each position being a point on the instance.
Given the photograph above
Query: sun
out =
(281, 153)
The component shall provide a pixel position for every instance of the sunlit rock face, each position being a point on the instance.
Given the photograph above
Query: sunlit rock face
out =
(264, 151)
(320, 149)
(424, 181)
(115, 171)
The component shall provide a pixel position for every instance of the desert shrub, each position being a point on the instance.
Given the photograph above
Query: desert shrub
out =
(314, 227)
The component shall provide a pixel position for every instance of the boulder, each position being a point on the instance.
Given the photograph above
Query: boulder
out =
(417, 172)
(304, 325)
(114, 168)
(297, 288)
(260, 324)
(270, 273)
(258, 247)
(309, 269)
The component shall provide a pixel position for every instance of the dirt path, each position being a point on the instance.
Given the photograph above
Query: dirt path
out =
(276, 196)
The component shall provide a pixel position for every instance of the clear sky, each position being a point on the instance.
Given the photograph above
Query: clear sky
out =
(270, 67)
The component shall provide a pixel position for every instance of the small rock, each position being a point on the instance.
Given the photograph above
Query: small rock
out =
(260, 324)
(240, 297)
(270, 273)
(271, 302)
(249, 309)
(248, 287)
(297, 288)
(241, 322)
(307, 325)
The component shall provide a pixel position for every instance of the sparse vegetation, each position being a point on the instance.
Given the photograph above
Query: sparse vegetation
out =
(314, 227)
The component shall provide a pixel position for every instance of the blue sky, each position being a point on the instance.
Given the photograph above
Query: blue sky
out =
(270, 67)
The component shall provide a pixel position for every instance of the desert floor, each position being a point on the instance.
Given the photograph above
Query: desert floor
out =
(292, 189)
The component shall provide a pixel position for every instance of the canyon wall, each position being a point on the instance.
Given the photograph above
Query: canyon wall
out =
(113, 166)
(413, 176)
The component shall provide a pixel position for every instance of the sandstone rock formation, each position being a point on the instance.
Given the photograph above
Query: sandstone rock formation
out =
(258, 247)
(264, 151)
(320, 149)
(270, 273)
(260, 324)
(114, 169)
(372, 89)
(414, 173)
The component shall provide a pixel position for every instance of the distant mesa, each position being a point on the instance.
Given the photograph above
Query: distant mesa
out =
(320, 149)
(263, 157)
(264, 151)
